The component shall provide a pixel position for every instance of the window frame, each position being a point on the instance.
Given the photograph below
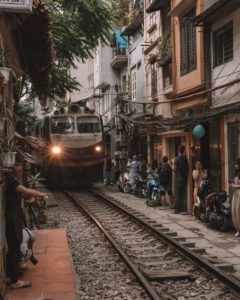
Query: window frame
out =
(216, 47)
(188, 43)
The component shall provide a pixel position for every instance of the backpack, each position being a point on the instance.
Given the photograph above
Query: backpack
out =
(165, 175)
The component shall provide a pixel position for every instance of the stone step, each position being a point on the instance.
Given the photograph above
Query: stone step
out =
(198, 250)
(225, 267)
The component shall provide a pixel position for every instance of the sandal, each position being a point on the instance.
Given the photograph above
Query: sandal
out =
(21, 284)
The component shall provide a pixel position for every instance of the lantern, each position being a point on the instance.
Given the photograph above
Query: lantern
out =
(199, 131)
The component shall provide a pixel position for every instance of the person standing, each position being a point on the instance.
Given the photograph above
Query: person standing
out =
(236, 198)
(133, 169)
(180, 168)
(199, 174)
(142, 170)
(165, 177)
(14, 223)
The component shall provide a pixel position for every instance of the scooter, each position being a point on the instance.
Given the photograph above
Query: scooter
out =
(123, 184)
(213, 207)
(153, 197)
(139, 186)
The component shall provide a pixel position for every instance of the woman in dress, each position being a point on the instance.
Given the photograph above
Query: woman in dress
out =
(236, 198)
(199, 174)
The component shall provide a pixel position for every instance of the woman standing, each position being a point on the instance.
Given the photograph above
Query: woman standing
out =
(236, 198)
(199, 174)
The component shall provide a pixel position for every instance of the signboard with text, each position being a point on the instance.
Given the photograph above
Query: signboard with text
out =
(15, 6)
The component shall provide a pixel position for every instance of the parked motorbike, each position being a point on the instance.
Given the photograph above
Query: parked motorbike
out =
(123, 184)
(139, 186)
(153, 193)
(213, 207)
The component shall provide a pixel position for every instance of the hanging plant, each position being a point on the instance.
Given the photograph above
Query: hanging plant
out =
(164, 49)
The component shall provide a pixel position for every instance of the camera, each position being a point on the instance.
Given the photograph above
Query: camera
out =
(33, 260)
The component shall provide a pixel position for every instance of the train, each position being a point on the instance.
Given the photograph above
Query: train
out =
(73, 152)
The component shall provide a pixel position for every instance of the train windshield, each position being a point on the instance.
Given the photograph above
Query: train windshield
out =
(62, 125)
(88, 124)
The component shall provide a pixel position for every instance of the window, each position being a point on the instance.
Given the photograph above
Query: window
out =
(88, 124)
(188, 43)
(152, 19)
(62, 125)
(124, 84)
(134, 85)
(223, 44)
(154, 88)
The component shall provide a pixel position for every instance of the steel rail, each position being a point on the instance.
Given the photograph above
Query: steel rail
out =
(209, 267)
(147, 286)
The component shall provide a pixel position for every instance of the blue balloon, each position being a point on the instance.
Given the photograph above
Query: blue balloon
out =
(199, 131)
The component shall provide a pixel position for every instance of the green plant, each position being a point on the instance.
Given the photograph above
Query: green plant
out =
(33, 180)
(40, 206)
(164, 48)
(8, 145)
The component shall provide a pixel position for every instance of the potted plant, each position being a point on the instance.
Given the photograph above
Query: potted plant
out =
(33, 180)
(8, 152)
(41, 207)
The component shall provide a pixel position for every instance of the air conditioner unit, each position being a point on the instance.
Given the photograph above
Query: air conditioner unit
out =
(16, 6)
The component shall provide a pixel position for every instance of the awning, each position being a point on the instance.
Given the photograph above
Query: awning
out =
(157, 5)
(217, 11)
(181, 7)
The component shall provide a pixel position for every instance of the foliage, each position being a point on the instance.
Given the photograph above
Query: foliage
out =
(40, 206)
(8, 145)
(164, 49)
(25, 114)
(78, 26)
(33, 180)
(120, 11)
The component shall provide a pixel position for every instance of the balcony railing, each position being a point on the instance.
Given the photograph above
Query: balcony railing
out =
(120, 58)
(21, 6)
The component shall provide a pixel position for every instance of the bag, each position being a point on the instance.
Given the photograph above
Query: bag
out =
(165, 174)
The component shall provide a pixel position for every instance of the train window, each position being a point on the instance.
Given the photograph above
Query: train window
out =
(88, 124)
(62, 125)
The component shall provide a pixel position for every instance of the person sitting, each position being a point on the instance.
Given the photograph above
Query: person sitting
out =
(26, 248)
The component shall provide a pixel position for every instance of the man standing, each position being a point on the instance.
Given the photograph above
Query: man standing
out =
(180, 168)
(14, 223)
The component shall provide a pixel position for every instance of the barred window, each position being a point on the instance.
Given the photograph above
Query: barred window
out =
(223, 44)
(188, 43)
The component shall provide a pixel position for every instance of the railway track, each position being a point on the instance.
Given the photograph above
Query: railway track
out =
(165, 266)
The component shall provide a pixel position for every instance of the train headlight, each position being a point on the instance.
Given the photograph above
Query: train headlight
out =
(98, 148)
(56, 150)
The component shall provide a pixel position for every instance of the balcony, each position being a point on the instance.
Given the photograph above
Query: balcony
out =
(156, 5)
(120, 58)
(16, 6)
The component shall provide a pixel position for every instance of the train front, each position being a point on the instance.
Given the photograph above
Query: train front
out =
(76, 151)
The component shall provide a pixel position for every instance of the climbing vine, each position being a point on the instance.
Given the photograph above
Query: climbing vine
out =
(164, 49)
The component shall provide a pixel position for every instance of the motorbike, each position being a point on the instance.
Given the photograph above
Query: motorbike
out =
(213, 207)
(153, 192)
(123, 184)
(139, 186)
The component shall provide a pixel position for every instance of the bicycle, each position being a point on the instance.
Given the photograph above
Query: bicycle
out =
(30, 215)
